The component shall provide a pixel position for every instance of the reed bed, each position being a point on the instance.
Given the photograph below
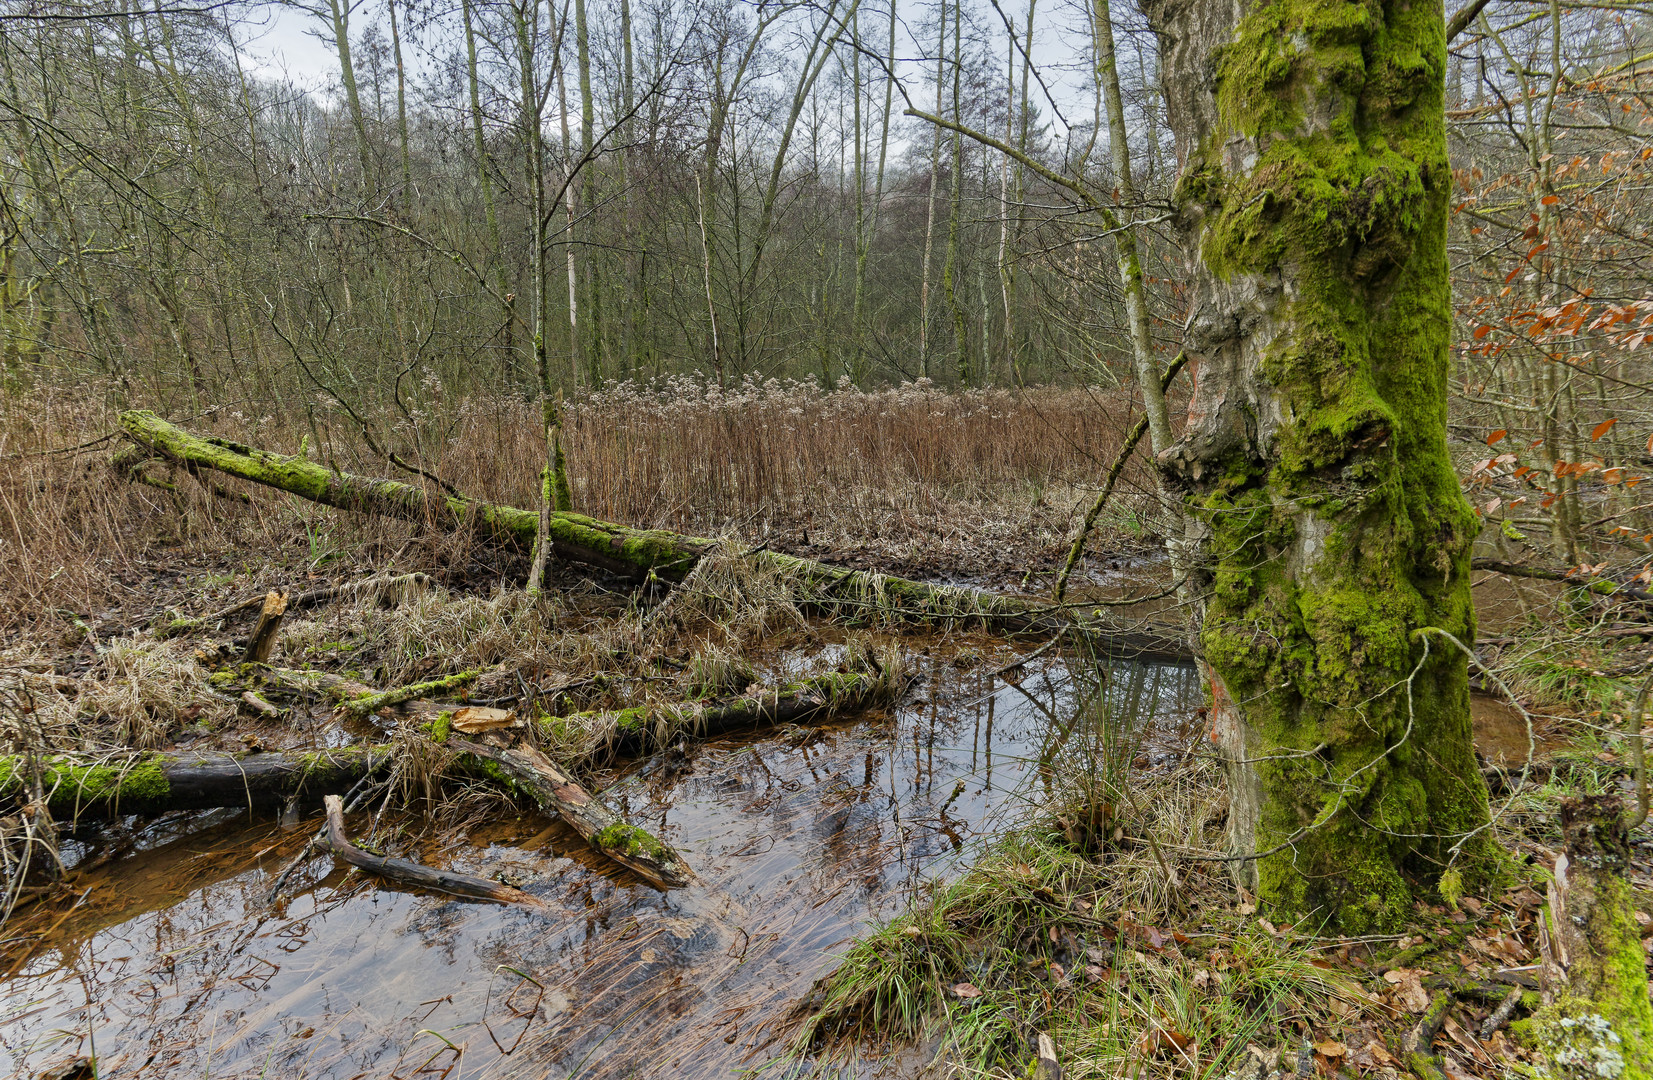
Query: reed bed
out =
(684, 453)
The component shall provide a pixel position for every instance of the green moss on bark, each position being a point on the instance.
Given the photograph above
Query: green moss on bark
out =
(72, 784)
(623, 839)
(1346, 531)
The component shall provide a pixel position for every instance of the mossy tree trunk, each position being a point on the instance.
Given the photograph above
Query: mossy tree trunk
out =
(1313, 203)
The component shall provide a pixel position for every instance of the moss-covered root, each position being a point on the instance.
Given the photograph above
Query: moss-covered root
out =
(525, 769)
(1596, 1023)
(84, 785)
(1420, 1059)
(365, 705)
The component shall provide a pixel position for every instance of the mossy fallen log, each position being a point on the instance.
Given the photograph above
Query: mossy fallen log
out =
(84, 785)
(639, 553)
(631, 552)
(361, 706)
(648, 728)
(1596, 1020)
(525, 769)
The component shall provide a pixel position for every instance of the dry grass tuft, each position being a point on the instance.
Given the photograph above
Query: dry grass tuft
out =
(437, 633)
(148, 690)
(142, 692)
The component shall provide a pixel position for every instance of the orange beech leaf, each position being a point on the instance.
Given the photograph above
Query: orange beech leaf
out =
(1602, 428)
(1482, 331)
(1492, 439)
(1550, 200)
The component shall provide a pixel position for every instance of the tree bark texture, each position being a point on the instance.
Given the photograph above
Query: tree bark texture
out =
(1312, 204)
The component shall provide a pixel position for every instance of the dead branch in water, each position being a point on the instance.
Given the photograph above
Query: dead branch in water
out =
(557, 792)
(404, 872)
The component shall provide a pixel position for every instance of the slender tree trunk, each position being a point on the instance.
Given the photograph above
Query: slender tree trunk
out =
(576, 344)
(593, 343)
(859, 374)
(401, 105)
(1313, 208)
(633, 236)
(339, 10)
(1130, 262)
(1011, 373)
(554, 492)
(930, 213)
(949, 266)
(820, 51)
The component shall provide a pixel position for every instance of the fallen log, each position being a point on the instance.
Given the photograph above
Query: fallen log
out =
(83, 785)
(343, 689)
(1596, 1007)
(640, 553)
(1599, 585)
(404, 872)
(361, 706)
(632, 552)
(648, 728)
(530, 771)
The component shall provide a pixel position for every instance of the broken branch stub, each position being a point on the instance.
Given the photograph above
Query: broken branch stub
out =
(263, 639)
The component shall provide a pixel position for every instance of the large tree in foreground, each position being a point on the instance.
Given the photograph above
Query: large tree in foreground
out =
(1313, 205)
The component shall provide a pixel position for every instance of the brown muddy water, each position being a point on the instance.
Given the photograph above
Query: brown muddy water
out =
(174, 966)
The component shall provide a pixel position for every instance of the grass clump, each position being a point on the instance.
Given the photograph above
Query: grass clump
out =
(1026, 942)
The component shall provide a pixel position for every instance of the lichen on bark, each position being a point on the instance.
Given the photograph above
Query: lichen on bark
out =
(1313, 206)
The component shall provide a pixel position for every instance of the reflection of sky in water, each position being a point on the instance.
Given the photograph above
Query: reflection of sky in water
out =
(799, 837)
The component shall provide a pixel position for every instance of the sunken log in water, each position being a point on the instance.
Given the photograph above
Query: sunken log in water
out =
(404, 872)
(528, 770)
(647, 729)
(638, 553)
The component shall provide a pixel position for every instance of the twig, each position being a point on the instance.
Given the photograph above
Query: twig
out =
(1501, 1015)
(1114, 472)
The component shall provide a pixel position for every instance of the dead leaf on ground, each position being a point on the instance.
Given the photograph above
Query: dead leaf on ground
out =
(1408, 992)
(475, 718)
(1160, 1041)
(965, 990)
